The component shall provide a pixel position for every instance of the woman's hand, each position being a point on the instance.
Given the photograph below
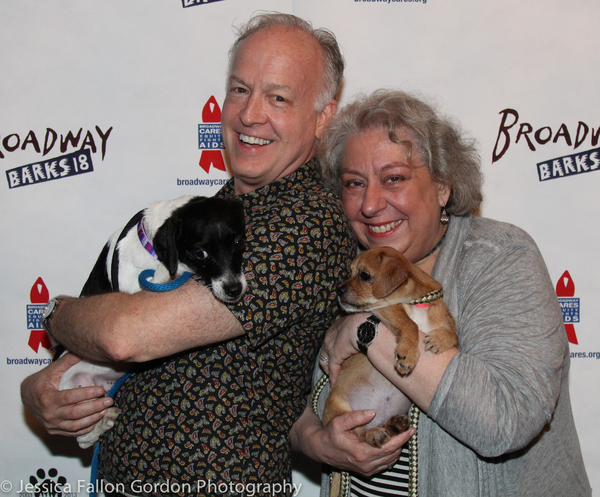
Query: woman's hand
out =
(340, 343)
(338, 446)
(63, 412)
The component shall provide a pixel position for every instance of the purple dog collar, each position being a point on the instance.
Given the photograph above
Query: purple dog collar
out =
(145, 239)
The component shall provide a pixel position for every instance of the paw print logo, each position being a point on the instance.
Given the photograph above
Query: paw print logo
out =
(47, 485)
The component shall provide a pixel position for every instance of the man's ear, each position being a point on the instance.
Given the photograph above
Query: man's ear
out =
(325, 116)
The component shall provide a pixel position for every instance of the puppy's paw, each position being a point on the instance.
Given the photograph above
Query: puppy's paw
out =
(440, 340)
(406, 363)
(397, 424)
(108, 421)
(375, 437)
(101, 427)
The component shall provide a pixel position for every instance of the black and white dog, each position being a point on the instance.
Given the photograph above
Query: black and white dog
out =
(201, 235)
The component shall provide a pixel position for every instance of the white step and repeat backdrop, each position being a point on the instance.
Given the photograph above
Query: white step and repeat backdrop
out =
(117, 90)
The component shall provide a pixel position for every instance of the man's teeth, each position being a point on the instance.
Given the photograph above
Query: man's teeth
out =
(252, 140)
(384, 228)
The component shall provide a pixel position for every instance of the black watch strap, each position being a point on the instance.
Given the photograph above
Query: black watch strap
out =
(366, 333)
(48, 313)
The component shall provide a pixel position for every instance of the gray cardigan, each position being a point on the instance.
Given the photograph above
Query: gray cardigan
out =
(500, 423)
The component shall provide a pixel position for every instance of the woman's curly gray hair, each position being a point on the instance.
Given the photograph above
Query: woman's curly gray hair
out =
(451, 157)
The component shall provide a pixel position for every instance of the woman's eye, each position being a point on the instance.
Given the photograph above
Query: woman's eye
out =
(395, 179)
(352, 184)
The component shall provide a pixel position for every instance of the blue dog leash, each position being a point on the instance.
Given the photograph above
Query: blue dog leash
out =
(154, 287)
(94, 476)
(162, 287)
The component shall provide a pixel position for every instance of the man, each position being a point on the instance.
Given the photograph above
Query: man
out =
(221, 412)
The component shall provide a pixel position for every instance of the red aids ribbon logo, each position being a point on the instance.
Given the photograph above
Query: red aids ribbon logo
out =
(565, 291)
(210, 140)
(39, 297)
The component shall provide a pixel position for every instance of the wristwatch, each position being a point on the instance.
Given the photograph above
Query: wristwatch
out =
(366, 333)
(48, 313)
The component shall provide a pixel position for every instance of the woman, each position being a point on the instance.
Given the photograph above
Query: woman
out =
(494, 415)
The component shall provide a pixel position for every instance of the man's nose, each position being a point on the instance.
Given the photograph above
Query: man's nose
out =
(253, 112)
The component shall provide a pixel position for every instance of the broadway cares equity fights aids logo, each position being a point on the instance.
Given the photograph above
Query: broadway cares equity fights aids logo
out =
(559, 167)
(39, 297)
(210, 142)
(565, 291)
(210, 138)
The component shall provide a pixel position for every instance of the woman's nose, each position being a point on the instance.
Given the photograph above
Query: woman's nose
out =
(373, 201)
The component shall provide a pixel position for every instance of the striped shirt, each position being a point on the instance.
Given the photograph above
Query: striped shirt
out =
(391, 482)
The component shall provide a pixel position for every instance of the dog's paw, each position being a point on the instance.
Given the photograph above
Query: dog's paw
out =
(405, 364)
(397, 424)
(440, 340)
(88, 440)
(376, 437)
(106, 423)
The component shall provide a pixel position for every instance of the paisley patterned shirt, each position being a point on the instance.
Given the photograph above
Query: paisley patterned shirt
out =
(216, 420)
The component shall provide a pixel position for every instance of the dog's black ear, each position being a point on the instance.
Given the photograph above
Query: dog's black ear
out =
(390, 275)
(165, 244)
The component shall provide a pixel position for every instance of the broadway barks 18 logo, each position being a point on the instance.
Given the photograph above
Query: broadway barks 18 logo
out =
(58, 167)
(192, 3)
(559, 167)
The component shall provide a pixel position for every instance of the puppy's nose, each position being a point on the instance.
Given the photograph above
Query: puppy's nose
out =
(233, 290)
(342, 290)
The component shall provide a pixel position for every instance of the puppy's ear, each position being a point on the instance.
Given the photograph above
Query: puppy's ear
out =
(165, 244)
(390, 275)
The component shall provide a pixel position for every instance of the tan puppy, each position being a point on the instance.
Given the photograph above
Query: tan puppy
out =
(405, 299)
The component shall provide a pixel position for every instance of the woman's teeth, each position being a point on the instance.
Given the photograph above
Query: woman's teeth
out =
(252, 140)
(384, 228)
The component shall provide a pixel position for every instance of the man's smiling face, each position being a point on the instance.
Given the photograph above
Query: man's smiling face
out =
(270, 122)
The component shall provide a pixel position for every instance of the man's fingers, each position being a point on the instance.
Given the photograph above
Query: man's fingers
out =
(65, 362)
(83, 394)
(74, 420)
(82, 418)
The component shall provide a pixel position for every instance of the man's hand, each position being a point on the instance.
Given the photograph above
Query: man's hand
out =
(63, 412)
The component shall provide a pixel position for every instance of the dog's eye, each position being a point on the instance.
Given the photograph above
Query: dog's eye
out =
(201, 254)
(240, 243)
(364, 276)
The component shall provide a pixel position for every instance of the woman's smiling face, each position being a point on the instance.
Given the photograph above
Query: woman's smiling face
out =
(390, 198)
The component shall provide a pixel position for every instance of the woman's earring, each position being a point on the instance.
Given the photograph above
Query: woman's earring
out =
(444, 218)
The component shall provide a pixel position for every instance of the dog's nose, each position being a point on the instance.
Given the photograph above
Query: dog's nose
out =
(233, 290)
(342, 290)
